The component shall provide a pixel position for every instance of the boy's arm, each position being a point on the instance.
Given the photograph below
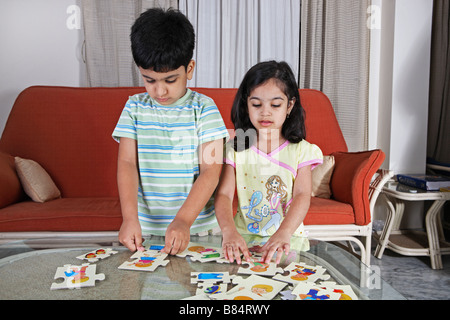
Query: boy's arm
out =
(178, 232)
(233, 243)
(301, 199)
(130, 234)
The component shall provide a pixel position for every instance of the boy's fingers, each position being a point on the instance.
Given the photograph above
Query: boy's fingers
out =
(138, 243)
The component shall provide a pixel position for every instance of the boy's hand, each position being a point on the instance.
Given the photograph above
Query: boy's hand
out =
(177, 237)
(130, 235)
(232, 246)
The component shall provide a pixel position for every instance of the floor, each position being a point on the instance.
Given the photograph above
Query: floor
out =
(413, 276)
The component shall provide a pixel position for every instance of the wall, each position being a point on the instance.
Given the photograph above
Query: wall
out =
(37, 48)
(399, 90)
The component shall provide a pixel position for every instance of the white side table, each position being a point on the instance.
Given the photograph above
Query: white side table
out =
(431, 243)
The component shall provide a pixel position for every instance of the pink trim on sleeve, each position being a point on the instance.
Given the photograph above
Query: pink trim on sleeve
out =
(313, 163)
(231, 163)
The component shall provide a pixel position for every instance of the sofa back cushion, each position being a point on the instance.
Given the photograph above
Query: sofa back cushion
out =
(67, 130)
(10, 188)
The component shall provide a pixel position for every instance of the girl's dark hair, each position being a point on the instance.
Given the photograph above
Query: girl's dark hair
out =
(293, 128)
(162, 40)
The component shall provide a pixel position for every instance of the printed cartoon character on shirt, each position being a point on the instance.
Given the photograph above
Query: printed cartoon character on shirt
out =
(276, 197)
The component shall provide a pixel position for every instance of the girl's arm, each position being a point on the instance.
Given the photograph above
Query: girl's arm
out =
(178, 232)
(301, 199)
(233, 243)
(130, 234)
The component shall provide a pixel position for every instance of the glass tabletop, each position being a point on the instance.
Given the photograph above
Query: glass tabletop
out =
(29, 275)
(405, 192)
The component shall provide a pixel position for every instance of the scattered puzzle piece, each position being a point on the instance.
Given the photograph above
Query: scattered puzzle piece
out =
(147, 260)
(311, 291)
(210, 277)
(238, 295)
(76, 276)
(299, 272)
(266, 288)
(154, 247)
(211, 289)
(95, 255)
(287, 295)
(198, 297)
(259, 267)
(345, 291)
(201, 253)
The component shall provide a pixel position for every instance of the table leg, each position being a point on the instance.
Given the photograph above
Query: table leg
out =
(433, 234)
(390, 221)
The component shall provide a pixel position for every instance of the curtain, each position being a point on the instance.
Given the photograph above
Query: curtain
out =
(438, 140)
(335, 60)
(107, 48)
(234, 35)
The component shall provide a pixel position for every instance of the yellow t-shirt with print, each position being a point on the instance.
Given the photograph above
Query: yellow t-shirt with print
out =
(264, 185)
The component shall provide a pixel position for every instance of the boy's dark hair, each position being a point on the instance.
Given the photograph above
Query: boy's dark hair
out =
(162, 40)
(293, 128)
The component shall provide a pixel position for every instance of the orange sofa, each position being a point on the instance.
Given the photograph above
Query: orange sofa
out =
(68, 132)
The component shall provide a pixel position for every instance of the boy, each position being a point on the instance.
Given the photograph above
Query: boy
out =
(171, 139)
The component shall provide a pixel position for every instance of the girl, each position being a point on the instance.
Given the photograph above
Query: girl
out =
(268, 165)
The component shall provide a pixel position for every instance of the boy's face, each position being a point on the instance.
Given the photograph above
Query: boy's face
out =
(167, 87)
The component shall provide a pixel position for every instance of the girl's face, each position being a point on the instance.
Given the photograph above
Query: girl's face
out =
(268, 106)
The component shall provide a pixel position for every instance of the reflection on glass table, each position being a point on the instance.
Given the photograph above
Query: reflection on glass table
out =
(29, 275)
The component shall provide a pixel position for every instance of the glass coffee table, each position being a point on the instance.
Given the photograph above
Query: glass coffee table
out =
(29, 275)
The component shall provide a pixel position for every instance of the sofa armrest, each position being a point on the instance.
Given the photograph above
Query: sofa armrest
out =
(351, 179)
(10, 188)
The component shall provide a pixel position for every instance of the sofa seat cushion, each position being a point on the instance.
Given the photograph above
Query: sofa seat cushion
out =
(65, 214)
(328, 211)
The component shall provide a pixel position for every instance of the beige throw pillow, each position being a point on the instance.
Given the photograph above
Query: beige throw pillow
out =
(321, 176)
(36, 182)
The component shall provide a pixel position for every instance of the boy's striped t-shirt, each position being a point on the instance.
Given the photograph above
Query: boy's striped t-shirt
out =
(168, 138)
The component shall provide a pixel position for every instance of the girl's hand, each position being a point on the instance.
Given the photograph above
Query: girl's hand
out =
(232, 246)
(279, 242)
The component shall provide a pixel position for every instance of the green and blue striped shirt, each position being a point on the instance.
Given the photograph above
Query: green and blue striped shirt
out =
(168, 139)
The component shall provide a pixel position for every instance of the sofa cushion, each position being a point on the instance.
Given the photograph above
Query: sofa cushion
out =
(66, 214)
(10, 188)
(36, 182)
(329, 211)
(353, 172)
(321, 176)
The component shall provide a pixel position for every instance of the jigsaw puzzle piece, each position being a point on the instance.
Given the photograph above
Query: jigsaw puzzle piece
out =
(95, 255)
(312, 291)
(346, 292)
(154, 247)
(257, 266)
(211, 289)
(202, 253)
(76, 276)
(266, 288)
(298, 272)
(238, 295)
(211, 277)
(147, 260)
